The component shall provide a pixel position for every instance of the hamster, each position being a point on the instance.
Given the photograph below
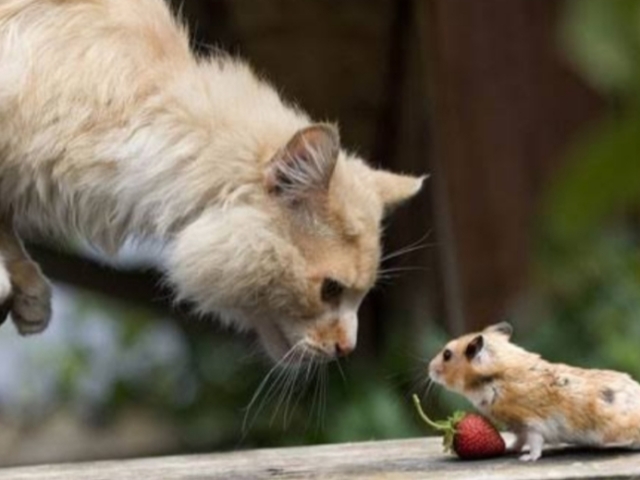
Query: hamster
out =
(538, 400)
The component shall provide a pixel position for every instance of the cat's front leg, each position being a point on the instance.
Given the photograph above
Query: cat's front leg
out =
(5, 290)
(28, 295)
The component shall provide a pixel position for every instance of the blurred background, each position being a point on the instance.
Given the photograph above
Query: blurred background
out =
(527, 116)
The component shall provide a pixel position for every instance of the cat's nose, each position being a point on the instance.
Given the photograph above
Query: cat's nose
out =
(344, 348)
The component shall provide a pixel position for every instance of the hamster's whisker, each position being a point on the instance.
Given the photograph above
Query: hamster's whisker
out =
(430, 385)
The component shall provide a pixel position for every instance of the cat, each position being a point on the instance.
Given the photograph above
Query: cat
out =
(111, 129)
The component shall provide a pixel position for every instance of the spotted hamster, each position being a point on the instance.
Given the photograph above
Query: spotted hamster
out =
(537, 400)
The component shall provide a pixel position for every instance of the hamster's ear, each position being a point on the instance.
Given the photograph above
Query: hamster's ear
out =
(474, 347)
(305, 165)
(503, 328)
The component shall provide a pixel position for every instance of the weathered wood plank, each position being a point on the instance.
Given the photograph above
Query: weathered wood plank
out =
(397, 459)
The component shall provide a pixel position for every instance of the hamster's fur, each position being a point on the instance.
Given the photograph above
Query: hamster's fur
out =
(538, 400)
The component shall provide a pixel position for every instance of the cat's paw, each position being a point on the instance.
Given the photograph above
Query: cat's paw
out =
(31, 299)
(5, 293)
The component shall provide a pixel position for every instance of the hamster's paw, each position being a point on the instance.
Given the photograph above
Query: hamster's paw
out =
(520, 444)
(534, 441)
(31, 305)
(529, 457)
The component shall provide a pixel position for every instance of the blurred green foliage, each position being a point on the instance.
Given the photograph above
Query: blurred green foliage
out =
(601, 175)
(586, 307)
(602, 39)
(106, 357)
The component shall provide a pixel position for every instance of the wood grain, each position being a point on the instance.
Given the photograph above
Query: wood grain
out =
(397, 459)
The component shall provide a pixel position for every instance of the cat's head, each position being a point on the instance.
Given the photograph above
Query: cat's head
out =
(296, 266)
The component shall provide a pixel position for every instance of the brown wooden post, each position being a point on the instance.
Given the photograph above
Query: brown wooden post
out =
(504, 103)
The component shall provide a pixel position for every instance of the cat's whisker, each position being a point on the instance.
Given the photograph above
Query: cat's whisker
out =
(280, 368)
(405, 251)
(275, 387)
(285, 385)
(401, 269)
(292, 388)
(295, 391)
(259, 390)
(386, 279)
(417, 245)
(255, 350)
(381, 283)
(311, 371)
(310, 410)
(307, 359)
(310, 365)
(344, 379)
(325, 384)
(315, 404)
(385, 275)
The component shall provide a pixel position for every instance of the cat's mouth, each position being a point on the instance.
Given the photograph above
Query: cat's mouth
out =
(283, 349)
(275, 341)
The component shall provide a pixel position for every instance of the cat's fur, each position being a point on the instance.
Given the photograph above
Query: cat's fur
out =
(111, 128)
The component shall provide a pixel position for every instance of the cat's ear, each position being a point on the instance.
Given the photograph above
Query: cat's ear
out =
(305, 165)
(394, 189)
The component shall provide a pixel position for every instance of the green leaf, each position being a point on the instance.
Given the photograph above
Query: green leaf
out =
(602, 37)
(602, 177)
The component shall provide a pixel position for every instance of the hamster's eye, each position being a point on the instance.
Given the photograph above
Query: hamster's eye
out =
(331, 290)
(446, 355)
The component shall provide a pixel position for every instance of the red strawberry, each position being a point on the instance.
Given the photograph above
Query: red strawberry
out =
(469, 435)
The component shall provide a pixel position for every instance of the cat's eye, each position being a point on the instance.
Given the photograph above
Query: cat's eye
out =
(446, 355)
(331, 290)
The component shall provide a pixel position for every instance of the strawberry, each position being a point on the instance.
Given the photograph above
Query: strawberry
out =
(469, 435)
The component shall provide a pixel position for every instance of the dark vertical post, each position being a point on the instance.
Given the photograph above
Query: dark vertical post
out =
(504, 103)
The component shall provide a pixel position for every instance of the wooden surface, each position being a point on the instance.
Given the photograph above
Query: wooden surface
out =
(402, 459)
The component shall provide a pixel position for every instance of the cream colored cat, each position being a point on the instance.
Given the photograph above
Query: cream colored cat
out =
(110, 129)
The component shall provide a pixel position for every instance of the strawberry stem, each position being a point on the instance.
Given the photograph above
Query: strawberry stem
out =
(427, 420)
